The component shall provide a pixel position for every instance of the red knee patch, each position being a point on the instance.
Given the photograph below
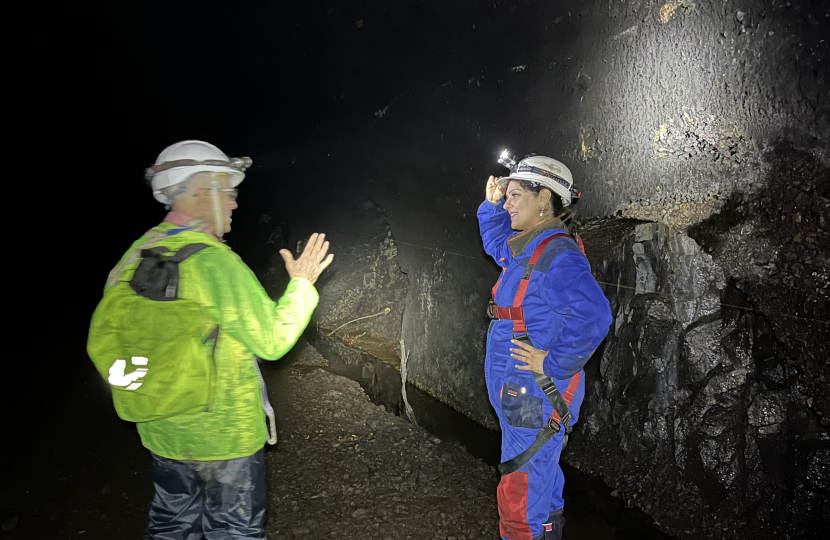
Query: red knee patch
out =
(512, 497)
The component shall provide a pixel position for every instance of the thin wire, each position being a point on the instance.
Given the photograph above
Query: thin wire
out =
(600, 282)
(384, 312)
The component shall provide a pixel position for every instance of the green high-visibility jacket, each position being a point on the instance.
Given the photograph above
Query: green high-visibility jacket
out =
(250, 323)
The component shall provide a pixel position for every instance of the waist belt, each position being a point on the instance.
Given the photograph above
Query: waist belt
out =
(561, 415)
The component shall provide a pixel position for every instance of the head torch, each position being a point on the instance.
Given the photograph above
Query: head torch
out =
(541, 170)
(507, 161)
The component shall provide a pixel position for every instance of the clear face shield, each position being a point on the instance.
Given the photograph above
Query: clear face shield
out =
(218, 211)
(219, 202)
(240, 164)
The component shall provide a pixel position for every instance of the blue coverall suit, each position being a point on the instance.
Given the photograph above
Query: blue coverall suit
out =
(567, 314)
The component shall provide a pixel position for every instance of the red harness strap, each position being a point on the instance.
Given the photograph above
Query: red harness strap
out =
(515, 312)
(557, 400)
(568, 396)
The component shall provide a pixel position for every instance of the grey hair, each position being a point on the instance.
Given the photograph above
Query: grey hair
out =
(174, 191)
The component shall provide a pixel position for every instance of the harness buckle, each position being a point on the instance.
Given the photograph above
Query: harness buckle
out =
(524, 337)
(491, 312)
(554, 425)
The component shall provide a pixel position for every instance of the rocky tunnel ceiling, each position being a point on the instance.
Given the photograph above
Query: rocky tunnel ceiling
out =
(649, 103)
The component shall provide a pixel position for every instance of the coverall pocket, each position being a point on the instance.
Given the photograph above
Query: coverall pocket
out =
(519, 408)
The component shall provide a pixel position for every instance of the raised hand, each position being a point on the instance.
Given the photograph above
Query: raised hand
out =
(313, 260)
(494, 192)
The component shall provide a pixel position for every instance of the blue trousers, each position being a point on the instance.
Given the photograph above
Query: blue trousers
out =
(530, 500)
(214, 500)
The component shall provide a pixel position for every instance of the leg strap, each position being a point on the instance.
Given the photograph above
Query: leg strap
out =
(545, 434)
(549, 430)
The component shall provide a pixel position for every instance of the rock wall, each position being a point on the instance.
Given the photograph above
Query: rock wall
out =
(445, 329)
(663, 110)
(710, 116)
(363, 293)
(693, 410)
(435, 299)
(774, 241)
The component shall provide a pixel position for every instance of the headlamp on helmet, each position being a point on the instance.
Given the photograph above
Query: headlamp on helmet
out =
(507, 161)
(541, 171)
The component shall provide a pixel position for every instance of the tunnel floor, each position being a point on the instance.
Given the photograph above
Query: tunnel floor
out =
(344, 467)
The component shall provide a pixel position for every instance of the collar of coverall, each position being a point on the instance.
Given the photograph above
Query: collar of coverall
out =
(518, 243)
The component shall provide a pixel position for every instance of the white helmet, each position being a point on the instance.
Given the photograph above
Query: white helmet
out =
(545, 171)
(180, 161)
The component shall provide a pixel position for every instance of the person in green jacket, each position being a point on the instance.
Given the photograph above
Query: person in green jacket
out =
(208, 468)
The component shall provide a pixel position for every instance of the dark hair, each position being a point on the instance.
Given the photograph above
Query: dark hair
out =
(567, 215)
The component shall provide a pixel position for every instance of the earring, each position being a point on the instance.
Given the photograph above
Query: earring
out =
(541, 213)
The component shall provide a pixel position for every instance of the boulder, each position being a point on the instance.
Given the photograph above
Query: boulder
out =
(693, 411)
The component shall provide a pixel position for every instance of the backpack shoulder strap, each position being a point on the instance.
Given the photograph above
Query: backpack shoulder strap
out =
(187, 251)
(157, 251)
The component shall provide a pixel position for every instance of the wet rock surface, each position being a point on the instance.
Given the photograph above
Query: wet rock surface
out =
(661, 111)
(694, 412)
(775, 243)
(346, 468)
(362, 294)
(601, 236)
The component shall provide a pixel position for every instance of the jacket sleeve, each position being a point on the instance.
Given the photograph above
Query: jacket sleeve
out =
(494, 224)
(243, 309)
(572, 292)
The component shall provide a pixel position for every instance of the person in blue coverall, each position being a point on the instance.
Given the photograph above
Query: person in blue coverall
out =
(566, 315)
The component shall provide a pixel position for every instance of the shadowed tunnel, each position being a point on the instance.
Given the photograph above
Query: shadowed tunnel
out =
(697, 133)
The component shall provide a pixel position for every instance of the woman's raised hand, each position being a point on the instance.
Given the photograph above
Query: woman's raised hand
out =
(495, 192)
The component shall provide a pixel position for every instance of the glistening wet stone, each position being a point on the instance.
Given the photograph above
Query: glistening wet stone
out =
(693, 411)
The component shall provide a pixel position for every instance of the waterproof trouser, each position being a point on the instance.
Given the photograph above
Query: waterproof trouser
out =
(214, 500)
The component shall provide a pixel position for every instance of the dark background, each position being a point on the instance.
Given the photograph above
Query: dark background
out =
(99, 91)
